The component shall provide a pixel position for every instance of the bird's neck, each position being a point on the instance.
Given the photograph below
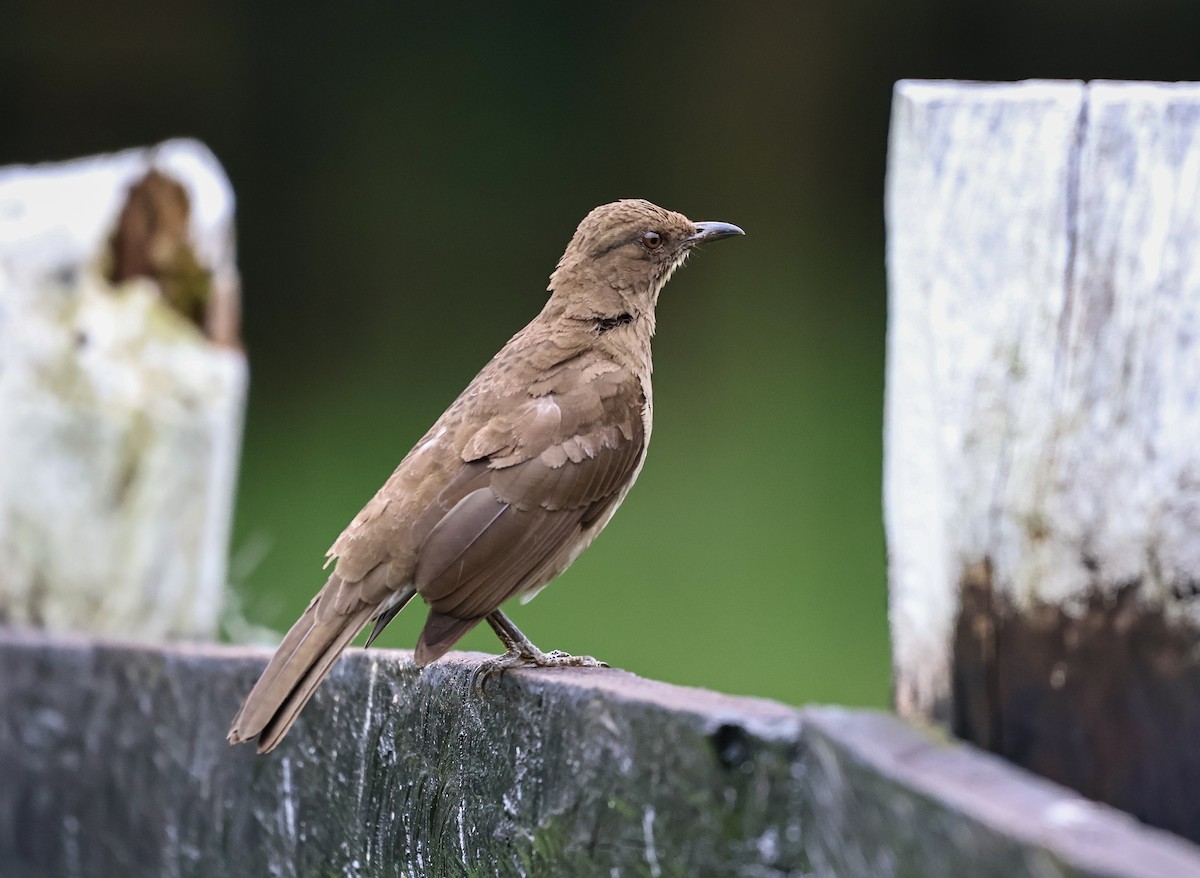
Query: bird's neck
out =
(619, 321)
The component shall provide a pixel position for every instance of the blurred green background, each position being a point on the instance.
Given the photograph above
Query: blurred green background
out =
(407, 177)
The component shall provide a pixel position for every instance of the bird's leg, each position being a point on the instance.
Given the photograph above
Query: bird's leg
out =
(521, 653)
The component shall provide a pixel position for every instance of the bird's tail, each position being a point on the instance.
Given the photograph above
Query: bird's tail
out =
(299, 665)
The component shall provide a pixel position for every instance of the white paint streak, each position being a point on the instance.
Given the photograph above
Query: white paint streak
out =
(462, 831)
(648, 835)
(364, 736)
(289, 798)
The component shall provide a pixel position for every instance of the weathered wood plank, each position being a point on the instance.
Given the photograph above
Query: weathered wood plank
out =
(978, 205)
(121, 392)
(114, 762)
(1043, 429)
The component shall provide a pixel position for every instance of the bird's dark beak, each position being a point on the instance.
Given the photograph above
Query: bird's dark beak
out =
(713, 232)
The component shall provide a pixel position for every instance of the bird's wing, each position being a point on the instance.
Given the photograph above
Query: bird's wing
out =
(533, 477)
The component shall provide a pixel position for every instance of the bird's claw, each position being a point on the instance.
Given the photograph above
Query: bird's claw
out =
(516, 657)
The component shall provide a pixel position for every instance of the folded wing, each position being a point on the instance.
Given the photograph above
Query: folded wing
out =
(533, 480)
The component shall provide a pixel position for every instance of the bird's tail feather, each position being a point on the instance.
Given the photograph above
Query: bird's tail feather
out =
(299, 665)
(440, 633)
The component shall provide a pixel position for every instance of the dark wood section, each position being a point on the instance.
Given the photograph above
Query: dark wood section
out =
(151, 241)
(1106, 701)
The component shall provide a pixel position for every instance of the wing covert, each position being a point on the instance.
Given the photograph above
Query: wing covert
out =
(541, 472)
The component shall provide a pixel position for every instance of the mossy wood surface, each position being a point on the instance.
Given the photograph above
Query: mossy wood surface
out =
(114, 762)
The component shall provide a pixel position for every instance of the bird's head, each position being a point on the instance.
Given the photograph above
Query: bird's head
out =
(624, 252)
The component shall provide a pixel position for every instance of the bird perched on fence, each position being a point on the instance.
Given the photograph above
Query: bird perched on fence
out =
(514, 480)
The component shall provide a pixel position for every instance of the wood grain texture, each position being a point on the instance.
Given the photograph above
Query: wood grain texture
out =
(1042, 485)
(978, 200)
(115, 763)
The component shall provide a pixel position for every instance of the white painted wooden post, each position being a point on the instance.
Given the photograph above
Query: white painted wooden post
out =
(120, 416)
(1042, 484)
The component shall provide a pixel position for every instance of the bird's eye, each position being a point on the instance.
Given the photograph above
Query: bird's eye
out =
(652, 240)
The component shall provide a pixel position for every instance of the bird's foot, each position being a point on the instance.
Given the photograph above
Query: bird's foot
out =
(526, 655)
(521, 653)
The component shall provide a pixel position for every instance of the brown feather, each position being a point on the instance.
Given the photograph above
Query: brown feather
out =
(339, 637)
(493, 542)
(506, 563)
(439, 635)
(298, 666)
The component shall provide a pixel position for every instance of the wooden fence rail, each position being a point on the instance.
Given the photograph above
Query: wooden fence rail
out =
(114, 762)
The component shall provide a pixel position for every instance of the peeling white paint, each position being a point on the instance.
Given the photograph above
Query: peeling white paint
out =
(1043, 386)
